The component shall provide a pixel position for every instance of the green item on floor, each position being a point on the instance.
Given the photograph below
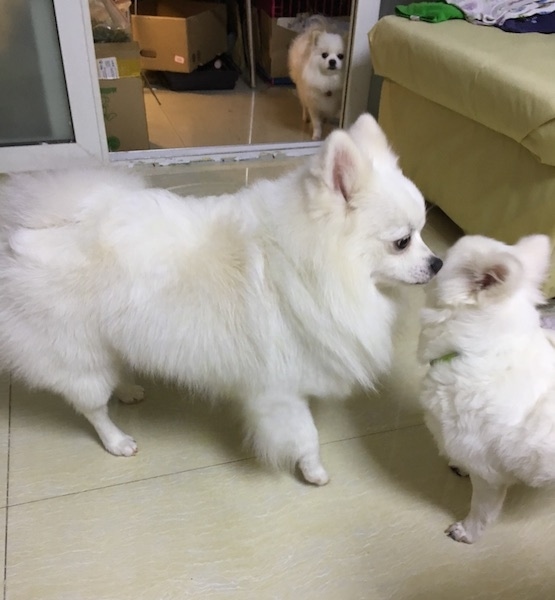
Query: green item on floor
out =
(431, 12)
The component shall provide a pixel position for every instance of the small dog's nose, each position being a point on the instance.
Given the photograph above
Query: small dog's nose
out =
(332, 63)
(436, 264)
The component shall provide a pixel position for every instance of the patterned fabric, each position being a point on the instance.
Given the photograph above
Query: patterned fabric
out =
(496, 12)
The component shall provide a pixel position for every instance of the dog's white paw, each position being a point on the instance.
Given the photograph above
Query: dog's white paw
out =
(313, 472)
(130, 393)
(122, 446)
(457, 532)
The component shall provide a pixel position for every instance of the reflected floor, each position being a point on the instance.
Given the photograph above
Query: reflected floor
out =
(269, 114)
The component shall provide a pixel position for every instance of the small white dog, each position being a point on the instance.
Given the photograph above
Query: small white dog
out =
(489, 393)
(271, 295)
(316, 61)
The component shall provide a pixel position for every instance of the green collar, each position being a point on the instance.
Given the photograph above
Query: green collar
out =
(445, 358)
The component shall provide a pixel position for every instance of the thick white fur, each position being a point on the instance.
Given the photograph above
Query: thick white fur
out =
(319, 87)
(491, 409)
(271, 295)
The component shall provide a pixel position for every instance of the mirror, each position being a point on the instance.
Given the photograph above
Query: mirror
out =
(215, 73)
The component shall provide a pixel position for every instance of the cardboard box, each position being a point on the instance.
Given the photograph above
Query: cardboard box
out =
(178, 35)
(272, 46)
(121, 91)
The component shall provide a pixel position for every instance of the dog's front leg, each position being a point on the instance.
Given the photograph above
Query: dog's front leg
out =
(486, 504)
(282, 432)
(114, 440)
(316, 124)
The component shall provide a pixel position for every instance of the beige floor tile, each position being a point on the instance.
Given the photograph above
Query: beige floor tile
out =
(209, 118)
(197, 179)
(161, 132)
(4, 435)
(375, 532)
(269, 114)
(54, 451)
(278, 117)
(3, 521)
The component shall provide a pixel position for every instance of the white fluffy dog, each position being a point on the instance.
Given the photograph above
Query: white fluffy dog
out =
(316, 61)
(271, 295)
(490, 390)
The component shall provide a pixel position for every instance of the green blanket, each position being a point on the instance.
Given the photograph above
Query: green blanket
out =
(431, 12)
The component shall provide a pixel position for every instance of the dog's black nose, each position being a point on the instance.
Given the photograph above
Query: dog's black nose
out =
(332, 63)
(436, 264)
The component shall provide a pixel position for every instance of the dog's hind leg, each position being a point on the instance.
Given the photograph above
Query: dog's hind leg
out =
(89, 395)
(127, 391)
(486, 504)
(282, 432)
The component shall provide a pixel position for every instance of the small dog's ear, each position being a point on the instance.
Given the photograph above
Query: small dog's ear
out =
(495, 275)
(369, 137)
(535, 253)
(341, 164)
(499, 275)
(314, 36)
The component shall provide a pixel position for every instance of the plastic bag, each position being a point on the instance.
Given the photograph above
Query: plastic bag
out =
(108, 21)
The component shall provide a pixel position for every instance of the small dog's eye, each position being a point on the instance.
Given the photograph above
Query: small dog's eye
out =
(402, 243)
(340, 56)
(325, 55)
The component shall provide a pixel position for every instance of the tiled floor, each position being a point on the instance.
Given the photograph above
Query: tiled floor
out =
(269, 114)
(194, 516)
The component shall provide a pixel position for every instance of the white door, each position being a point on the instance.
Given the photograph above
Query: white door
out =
(50, 109)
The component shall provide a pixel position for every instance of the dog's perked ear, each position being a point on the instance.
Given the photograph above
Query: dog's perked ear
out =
(535, 253)
(496, 277)
(370, 139)
(342, 164)
(314, 35)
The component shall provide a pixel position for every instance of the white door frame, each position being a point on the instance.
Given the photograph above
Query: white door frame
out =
(357, 89)
(90, 147)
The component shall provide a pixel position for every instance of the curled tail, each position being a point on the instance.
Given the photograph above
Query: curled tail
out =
(54, 198)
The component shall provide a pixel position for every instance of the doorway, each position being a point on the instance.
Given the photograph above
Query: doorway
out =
(259, 105)
(82, 87)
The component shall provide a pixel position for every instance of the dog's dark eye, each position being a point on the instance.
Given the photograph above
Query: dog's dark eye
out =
(402, 243)
(325, 55)
(340, 56)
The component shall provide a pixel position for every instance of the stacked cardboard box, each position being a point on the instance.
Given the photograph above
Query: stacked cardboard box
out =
(121, 90)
